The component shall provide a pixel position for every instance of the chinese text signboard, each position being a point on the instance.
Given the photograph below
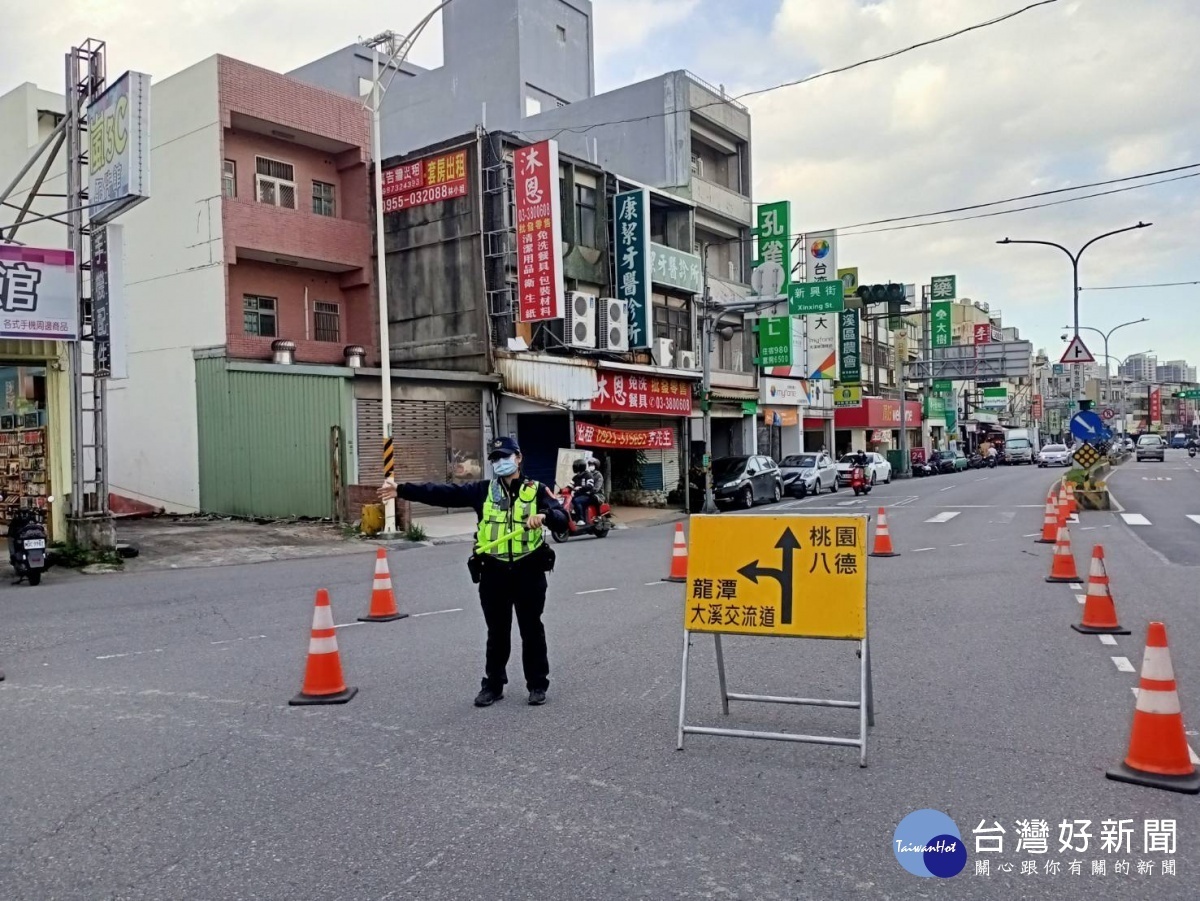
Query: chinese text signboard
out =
(631, 220)
(821, 343)
(588, 435)
(119, 147)
(847, 396)
(774, 238)
(1036, 412)
(943, 288)
(425, 181)
(942, 323)
(774, 341)
(1156, 404)
(37, 294)
(539, 232)
(641, 394)
(851, 361)
(820, 256)
(983, 333)
(816, 297)
(675, 269)
(801, 576)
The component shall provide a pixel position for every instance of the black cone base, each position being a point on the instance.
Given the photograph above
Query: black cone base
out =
(1188, 785)
(303, 700)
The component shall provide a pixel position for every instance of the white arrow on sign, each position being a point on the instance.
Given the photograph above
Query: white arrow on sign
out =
(1077, 352)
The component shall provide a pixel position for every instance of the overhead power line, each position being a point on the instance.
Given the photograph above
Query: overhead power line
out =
(1135, 287)
(583, 129)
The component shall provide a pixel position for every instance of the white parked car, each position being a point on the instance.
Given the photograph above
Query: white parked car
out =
(1054, 455)
(878, 468)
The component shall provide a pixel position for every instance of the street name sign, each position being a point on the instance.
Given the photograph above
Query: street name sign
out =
(805, 298)
(1077, 352)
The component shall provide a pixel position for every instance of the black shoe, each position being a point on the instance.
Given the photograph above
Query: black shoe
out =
(537, 697)
(487, 697)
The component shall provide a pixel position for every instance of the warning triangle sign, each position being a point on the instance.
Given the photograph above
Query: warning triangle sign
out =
(1077, 352)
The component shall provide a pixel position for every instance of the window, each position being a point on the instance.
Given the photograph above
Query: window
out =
(585, 215)
(562, 34)
(229, 179)
(533, 106)
(697, 166)
(258, 316)
(275, 182)
(327, 321)
(673, 323)
(323, 204)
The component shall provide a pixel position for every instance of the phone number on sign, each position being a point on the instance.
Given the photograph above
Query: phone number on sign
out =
(422, 196)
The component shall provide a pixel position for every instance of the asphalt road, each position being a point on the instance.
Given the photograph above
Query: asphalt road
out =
(1161, 505)
(148, 751)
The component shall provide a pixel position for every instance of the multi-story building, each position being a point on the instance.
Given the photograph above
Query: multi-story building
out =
(1140, 367)
(249, 298)
(34, 374)
(1175, 371)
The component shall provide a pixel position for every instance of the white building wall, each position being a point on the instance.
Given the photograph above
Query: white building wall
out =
(175, 290)
(21, 132)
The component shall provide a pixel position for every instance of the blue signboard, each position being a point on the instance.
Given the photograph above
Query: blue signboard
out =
(1086, 425)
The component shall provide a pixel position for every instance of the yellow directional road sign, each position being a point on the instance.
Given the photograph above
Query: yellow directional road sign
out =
(847, 396)
(1087, 456)
(803, 576)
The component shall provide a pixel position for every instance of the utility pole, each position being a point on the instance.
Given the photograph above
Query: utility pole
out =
(710, 503)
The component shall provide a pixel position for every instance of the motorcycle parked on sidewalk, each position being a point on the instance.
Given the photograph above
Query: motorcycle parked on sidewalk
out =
(859, 482)
(27, 543)
(599, 519)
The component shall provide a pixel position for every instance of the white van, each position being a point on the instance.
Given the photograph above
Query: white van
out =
(1018, 446)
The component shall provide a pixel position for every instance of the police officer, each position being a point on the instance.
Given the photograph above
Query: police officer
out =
(510, 568)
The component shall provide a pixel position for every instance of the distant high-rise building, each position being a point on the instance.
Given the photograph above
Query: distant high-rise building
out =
(1175, 371)
(1141, 368)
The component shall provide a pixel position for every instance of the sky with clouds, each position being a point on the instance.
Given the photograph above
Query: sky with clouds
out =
(1073, 92)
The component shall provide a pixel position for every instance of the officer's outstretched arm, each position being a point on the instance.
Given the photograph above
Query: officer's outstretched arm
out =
(447, 494)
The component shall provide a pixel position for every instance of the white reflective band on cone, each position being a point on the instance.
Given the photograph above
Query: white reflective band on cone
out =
(323, 617)
(381, 567)
(382, 584)
(1166, 702)
(322, 645)
(1156, 665)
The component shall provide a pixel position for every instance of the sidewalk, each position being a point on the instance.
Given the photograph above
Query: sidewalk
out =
(451, 527)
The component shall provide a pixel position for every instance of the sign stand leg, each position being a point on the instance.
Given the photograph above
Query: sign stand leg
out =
(687, 646)
(870, 686)
(721, 674)
(865, 714)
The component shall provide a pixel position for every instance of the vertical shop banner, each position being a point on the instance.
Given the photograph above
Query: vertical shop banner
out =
(631, 218)
(1036, 412)
(109, 328)
(1155, 404)
(851, 362)
(539, 232)
(821, 341)
(820, 256)
(119, 147)
(774, 239)
(941, 320)
(774, 341)
(37, 294)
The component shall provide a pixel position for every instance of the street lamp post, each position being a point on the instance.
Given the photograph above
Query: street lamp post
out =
(1074, 257)
(1106, 336)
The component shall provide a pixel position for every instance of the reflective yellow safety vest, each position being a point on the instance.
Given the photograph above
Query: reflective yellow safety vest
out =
(503, 514)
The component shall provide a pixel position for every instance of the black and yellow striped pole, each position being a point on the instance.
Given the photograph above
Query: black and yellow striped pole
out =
(389, 475)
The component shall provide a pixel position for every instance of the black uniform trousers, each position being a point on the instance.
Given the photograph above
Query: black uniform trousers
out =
(503, 588)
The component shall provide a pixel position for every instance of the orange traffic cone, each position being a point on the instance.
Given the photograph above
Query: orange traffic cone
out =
(1049, 523)
(679, 557)
(1099, 611)
(1062, 563)
(323, 680)
(383, 600)
(883, 538)
(1158, 756)
(1069, 488)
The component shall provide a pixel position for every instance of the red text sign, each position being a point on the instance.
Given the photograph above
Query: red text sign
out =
(425, 181)
(983, 333)
(588, 435)
(641, 394)
(1156, 404)
(539, 232)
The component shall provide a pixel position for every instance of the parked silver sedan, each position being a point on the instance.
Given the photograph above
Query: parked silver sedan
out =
(805, 474)
(1054, 455)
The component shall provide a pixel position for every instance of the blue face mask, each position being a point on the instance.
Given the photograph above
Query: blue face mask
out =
(504, 467)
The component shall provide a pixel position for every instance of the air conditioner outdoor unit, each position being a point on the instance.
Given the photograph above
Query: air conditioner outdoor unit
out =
(664, 352)
(686, 359)
(614, 324)
(581, 320)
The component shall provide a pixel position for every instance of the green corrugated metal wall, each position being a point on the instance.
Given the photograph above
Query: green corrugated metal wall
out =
(264, 439)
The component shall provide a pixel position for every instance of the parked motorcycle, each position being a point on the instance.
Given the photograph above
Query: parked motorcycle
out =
(599, 521)
(1192, 451)
(27, 543)
(976, 461)
(859, 481)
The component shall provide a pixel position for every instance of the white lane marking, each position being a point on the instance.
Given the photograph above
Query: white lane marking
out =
(1073, 519)
(1108, 639)
(920, 549)
(128, 654)
(905, 502)
(347, 625)
(1082, 598)
(849, 503)
(945, 516)
(1194, 518)
(947, 488)
(1006, 517)
(1032, 535)
(984, 479)
(232, 640)
(659, 582)
(596, 591)
(1135, 519)
(1123, 665)
(1076, 586)
(958, 545)
(1088, 529)
(437, 612)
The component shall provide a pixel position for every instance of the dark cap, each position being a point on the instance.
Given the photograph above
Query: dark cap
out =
(503, 447)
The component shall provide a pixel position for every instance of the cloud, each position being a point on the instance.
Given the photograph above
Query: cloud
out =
(1062, 95)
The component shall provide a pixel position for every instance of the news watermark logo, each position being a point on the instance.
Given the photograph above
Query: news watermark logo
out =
(928, 843)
